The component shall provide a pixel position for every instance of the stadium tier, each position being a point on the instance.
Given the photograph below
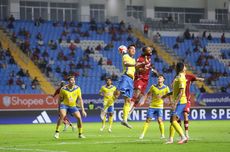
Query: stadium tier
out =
(81, 61)
(206, 57)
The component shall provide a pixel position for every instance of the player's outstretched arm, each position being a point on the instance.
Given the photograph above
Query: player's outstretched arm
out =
(199, 79)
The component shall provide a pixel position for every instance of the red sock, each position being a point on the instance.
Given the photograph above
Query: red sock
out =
(186, 125)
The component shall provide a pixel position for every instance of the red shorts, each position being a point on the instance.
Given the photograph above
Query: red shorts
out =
(141, 85)
(187, 108)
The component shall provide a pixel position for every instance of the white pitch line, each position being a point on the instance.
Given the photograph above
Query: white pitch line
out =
(27, 149)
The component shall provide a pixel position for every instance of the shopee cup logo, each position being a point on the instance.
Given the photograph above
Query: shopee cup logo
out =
(6, 101)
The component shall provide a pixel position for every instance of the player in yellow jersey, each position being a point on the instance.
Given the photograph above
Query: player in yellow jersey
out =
(68, 97)
(125, 84)
(156, 105)
(178, 104)
(107, 92)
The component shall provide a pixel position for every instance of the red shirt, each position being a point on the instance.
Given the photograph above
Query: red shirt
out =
(190, 78)
(143, 74)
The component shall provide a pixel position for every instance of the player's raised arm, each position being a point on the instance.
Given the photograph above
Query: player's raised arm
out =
(199, 79)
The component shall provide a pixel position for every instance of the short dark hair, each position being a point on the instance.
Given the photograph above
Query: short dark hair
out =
(131, 46)
(145, 48)
(161, 75)
(179, 67)
(108, 78)
(70, 77)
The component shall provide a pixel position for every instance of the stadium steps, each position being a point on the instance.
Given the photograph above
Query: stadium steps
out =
(165, 55)
(24, 62)
(215, 50)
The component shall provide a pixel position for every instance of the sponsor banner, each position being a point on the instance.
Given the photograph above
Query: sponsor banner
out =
(28, 101)
(217, 99)
(42, 101)
(51, 116)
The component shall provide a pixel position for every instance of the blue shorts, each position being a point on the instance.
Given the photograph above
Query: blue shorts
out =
(110, 109)
(179, 110)
(68, 108)
(125, 85)
(155, 112)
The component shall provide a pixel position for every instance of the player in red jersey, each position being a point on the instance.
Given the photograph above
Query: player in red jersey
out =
(190, 78)
(66, 121)
(141, 76)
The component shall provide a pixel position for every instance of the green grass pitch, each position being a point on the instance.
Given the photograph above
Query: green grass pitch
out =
(206, 136)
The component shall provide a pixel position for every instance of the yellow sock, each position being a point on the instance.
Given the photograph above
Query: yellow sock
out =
(103, 122)
(162, 128)
(126, 109)
(80, 130)
(110, 121)
(58, 128)
(172, 131)
(146, 125)
(178, 128)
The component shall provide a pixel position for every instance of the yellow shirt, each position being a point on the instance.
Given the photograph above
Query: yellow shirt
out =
(128, 70)
(179, 83)
(108, 93)
(155, 91)
(69, 96)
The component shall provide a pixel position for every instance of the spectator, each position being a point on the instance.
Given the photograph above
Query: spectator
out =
(157, 37)
(52, 45)
(58, 69)
(21, 73)
(12, 74)
(109, 62)
(10, 81)
(129, 28)
(202, 89)
(11, 18)
(98, 47)
(209, 37)
(109, 46)
(204, 34)
(222, 39)
(19, 81)
(176, 45)
(108, 22)
(223, 89)
(130, 38)
(187, 34)
(34, 83)
(91, 106)
(146, 29)
(72, 46)
(100, 61)
(23, 85)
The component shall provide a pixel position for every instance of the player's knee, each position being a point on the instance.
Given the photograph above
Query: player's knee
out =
(148, 120)
(159, 120)
(116, 93)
